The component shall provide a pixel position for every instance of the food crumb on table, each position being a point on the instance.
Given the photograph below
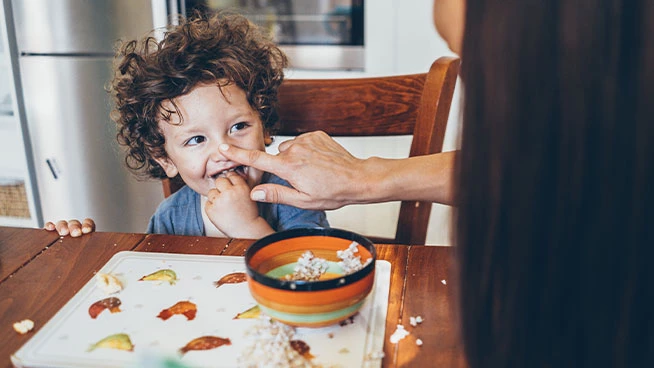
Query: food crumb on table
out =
(399, 334)
(415, 321)
(375, 355)
(418, 342)
(444, 282)
(24, 326)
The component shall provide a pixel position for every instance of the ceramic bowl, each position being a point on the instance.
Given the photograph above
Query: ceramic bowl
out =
(329, 300)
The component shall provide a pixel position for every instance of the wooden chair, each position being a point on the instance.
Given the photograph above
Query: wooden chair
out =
(417, 105)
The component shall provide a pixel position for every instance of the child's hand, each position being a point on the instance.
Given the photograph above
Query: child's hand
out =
(72, 227)
(230, 208)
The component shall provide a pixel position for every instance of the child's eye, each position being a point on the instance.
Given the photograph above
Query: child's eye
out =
(238, 126)
(195, 140)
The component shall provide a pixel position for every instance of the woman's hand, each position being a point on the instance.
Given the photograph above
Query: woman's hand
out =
(72, 227)
(324, 175)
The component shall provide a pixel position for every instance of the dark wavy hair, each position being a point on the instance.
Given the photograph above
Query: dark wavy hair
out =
(556, 201)
(222, 48)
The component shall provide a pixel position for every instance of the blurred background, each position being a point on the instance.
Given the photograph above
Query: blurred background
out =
(58, 155)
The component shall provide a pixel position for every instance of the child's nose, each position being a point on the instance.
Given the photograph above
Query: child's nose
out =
(216, 155)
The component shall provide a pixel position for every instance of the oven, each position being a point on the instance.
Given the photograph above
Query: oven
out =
(314, 34)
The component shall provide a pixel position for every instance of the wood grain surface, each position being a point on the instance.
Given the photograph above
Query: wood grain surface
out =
(182, 244)
(50, 270)
(46, 283)
(15, 251)
(428, 293)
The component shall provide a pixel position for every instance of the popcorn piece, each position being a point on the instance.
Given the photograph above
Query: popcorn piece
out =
(373, 359)
(414, 321)
(269, 345)
(108, 283)
(24, 326)
(399, 334)
(308, 268)
(311, 268)
(349, 262)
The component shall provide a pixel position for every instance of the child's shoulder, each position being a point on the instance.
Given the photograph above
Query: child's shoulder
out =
(184, 197)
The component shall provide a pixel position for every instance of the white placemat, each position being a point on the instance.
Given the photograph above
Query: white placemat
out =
(64, 340)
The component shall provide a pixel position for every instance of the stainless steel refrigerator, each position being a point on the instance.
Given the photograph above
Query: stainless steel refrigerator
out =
(65, 51)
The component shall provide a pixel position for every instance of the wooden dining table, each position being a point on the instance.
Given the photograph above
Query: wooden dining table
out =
(40, 271)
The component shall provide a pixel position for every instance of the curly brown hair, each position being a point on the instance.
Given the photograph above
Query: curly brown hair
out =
(222, 48)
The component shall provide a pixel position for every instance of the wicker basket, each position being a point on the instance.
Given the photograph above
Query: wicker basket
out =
(13, 201)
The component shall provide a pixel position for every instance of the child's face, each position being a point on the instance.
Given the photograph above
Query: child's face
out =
(210, 119)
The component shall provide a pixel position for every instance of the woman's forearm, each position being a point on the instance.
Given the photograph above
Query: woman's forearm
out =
(420, 178)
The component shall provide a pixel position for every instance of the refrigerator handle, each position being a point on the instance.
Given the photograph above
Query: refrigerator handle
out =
(52, 164)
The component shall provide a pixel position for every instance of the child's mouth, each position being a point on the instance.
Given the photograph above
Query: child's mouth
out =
(240, 170)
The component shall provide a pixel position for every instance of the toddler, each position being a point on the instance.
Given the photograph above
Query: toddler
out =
(212, 79)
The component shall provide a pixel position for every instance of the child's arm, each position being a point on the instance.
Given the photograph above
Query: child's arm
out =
(72, 227)
(231, 210)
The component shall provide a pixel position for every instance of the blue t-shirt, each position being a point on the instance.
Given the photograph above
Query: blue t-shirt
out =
(180, 214)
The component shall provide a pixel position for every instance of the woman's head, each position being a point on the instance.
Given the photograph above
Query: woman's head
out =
(555, 170)
(149, 74)
(449, 21)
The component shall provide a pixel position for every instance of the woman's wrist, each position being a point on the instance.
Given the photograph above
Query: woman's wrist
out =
(425, 178)
(377, 181)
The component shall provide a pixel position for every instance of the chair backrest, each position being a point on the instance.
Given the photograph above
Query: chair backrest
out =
(417, 105)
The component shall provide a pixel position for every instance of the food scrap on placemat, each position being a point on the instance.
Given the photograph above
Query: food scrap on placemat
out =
(108, 283)
(253, 312)
(205, 343)
(112, 303)
(185, 307)
(161, 275)
(349, 320)
(118, 341)
(232, 278)
(302, 348)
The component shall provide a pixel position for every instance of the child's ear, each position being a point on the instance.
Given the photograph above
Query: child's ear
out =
(168, 166)
(267, 138)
